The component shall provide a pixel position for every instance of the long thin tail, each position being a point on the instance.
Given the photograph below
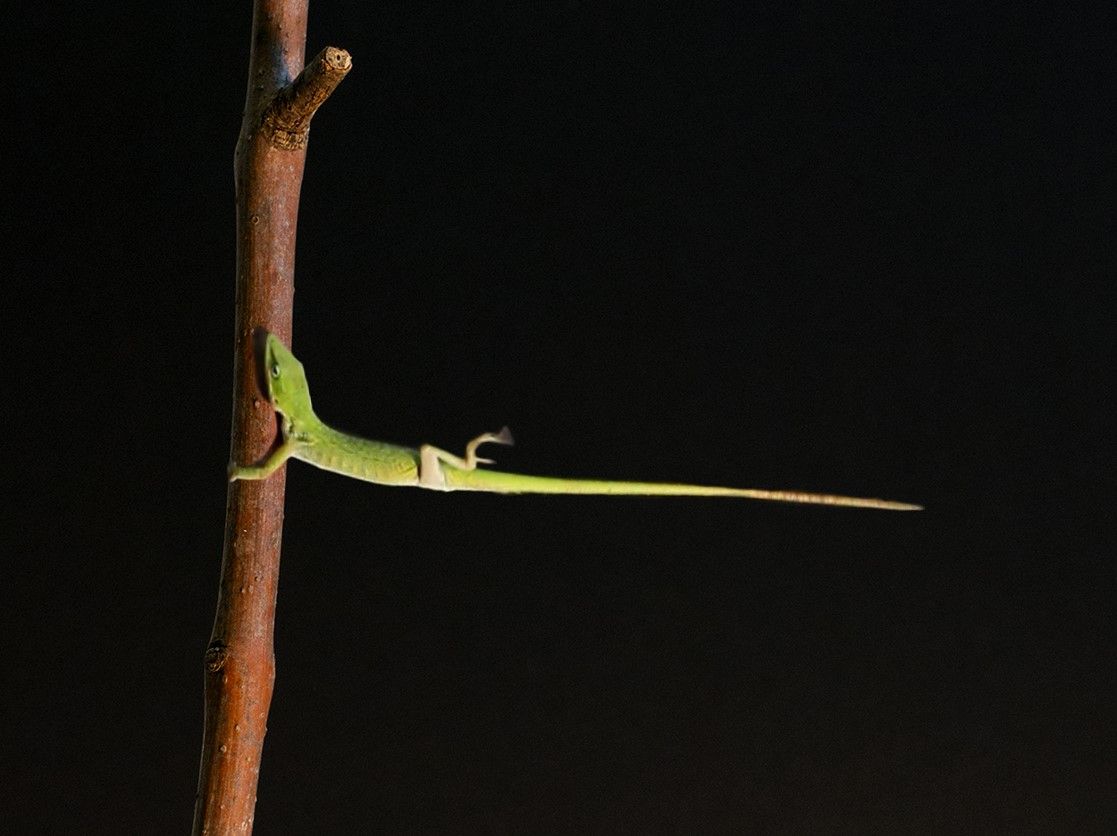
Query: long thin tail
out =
(495, 481)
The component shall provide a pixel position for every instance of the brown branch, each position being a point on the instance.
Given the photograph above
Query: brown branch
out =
(240, 662)
(287, 118)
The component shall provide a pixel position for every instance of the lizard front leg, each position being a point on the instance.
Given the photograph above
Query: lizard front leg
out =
(267, 467)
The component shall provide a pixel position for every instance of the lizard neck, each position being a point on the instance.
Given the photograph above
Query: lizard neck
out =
(302, 427)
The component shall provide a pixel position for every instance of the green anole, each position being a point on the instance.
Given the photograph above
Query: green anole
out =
(306, 437)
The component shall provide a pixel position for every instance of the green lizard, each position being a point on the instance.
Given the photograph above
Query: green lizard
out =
(306, 437)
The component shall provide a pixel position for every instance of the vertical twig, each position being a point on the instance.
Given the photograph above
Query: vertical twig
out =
(240, 662)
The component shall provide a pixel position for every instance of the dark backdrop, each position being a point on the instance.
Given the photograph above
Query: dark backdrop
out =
(798, 247)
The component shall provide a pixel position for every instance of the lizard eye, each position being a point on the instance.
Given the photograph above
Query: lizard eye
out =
(275, 370)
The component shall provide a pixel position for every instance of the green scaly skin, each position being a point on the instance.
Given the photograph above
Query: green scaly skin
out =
(305, 437)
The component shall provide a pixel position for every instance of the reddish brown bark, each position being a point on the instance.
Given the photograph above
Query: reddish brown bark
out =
(240, 662)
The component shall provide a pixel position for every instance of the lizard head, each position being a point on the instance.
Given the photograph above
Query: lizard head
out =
(286, 380)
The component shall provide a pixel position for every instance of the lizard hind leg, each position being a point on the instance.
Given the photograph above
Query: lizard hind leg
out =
(503, 437)
(431, 457)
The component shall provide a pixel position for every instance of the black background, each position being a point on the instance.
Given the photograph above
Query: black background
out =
(790, 246)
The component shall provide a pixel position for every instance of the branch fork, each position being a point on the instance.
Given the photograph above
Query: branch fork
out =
(286, 120)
